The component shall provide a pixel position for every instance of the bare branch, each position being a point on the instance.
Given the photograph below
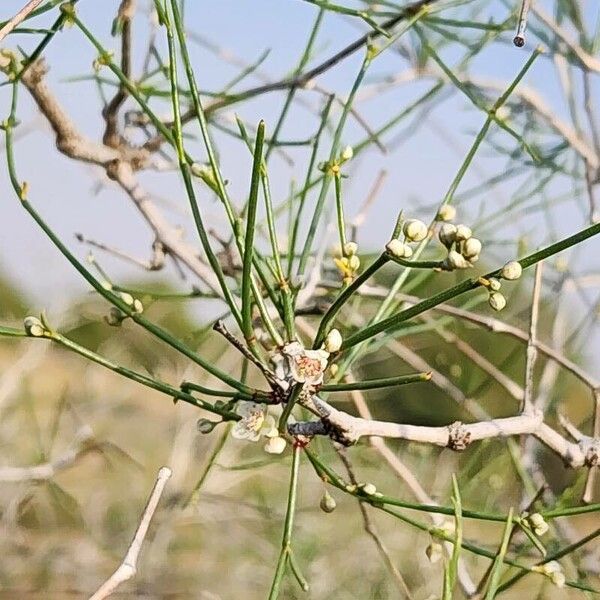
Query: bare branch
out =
(128, 568)
(19, 18)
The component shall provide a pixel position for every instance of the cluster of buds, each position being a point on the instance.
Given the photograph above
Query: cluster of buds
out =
(463, 248)
(414, 231)
(115, 317)
(510, 271)
(333, 167)
(349, 262)
(537, 523)
(553, 571)
(435, 550)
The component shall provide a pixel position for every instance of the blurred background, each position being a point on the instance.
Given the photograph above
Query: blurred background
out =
(61, 537)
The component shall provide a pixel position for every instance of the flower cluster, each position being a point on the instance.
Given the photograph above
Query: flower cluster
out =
(553, 571)
(348, 262)
(414, 231)
(510, 271)
(463, 248)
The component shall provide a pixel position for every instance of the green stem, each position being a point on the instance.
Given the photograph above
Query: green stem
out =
(466, 286)
(288, 526)
(374, 384)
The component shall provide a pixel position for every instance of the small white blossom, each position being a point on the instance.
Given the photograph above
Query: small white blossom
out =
(275, 445)
(348, 153)
(511, 270)
(333, 341)
(306, 366)
(447, 234)
(446, 213)
(497, 301)
(254, 422)
(415, 230)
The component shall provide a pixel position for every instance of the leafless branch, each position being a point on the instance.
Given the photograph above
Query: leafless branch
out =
(19, 18)
(128, 568)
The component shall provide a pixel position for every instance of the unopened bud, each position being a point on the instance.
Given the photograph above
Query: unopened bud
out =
(538, 524)
(333, 369)
(396, 248)
(494, 284)
(348, 153)
(127, 298)
(463, 233)
(446, 213)
(471, 248)
(328, 503)
(350, 248)
(511, 270)
(369, 489)
(205, 425)
(333, 341)
(455, 260)
(415, 230)
(354, 262)
(434, 552)
(34, 327)
(115, 317)
(497, 301)
(275, 445)
(447, 234)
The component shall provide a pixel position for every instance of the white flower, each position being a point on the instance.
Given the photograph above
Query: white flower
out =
(306, 366)
(446, 213)
(511, 270)
(275, 445)
(497, 301)
(254, 422)
(447, 234)
(415, 230)
(333, 341)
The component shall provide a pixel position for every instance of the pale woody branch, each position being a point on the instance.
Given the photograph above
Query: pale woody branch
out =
(128, 568)
(458, 436)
